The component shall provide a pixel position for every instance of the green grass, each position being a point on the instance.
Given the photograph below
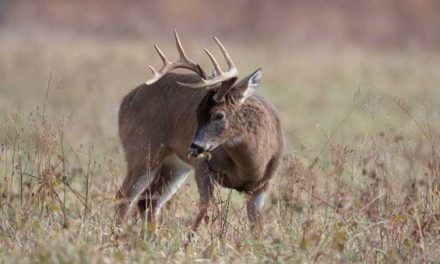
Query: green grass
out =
(360, 181)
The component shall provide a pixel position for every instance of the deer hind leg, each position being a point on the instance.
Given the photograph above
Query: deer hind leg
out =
(141, 174)
(147, 200)
(169, 179)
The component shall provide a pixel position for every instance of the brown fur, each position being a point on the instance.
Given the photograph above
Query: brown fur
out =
(160, 120)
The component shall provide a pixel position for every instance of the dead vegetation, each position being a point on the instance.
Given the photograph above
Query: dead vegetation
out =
(360, 182)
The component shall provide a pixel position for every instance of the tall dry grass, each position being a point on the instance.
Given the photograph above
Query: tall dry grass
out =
(360, 182)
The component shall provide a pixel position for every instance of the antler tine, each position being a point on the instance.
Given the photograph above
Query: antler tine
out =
(162, 56)
(152, 70)
(180, 47)
(225, 54)
(155, 77)
(214, 62)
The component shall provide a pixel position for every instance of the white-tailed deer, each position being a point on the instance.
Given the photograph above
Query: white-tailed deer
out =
(218, 127)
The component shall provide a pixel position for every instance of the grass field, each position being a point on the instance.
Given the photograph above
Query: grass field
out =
(360, 181)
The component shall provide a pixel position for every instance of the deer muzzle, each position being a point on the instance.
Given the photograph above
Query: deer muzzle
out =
(197, 151)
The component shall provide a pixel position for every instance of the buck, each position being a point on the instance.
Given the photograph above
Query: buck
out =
(175, 122)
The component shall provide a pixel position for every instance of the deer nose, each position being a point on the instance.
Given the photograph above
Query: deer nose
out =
(195, 150)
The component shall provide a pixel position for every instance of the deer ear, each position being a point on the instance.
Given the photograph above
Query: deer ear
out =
(246, 87)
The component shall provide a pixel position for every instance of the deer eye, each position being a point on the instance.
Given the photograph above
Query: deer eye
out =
(218, 116)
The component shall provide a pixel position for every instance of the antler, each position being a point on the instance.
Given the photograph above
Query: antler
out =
(219, 76)
(183, 62)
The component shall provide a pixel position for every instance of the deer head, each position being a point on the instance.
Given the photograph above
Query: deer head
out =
(223, 122)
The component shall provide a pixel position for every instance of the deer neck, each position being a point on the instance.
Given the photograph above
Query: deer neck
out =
(247, 149)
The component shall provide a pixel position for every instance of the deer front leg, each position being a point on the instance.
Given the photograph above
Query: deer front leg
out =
(205, 187)
(254, 208)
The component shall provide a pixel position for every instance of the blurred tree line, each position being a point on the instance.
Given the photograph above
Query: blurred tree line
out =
(382, 23)
(2, 11)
